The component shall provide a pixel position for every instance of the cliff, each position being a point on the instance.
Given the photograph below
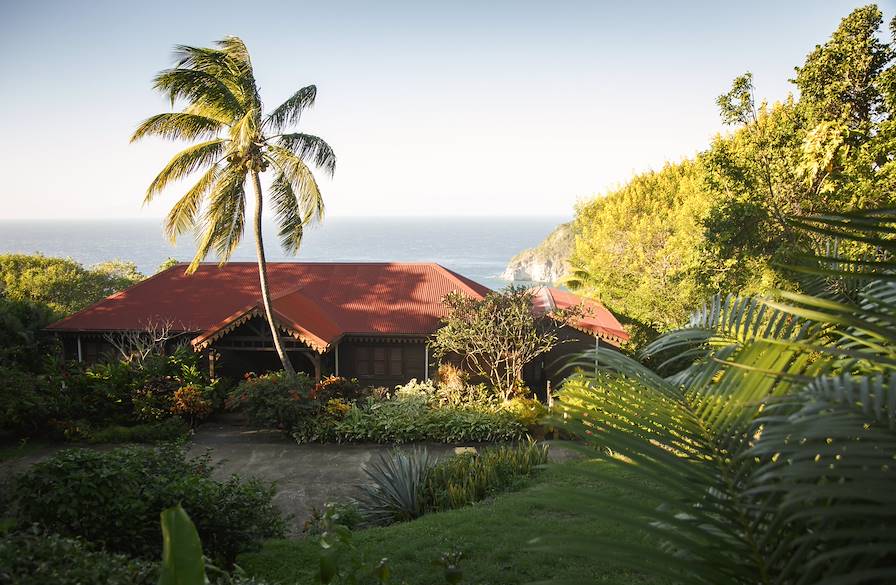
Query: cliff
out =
(547, 261)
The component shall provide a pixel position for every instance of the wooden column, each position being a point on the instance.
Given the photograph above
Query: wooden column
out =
(211, 364)
(315, 359)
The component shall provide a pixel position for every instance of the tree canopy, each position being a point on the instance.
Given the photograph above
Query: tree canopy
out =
(722, 222)
(61, 284)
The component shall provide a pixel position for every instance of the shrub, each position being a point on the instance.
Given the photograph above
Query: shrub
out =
(24, 405)
(274, 400)
(408, 413)
(394, 493)
(464, 479)
(31, 557)
(190, 402)
(346, 514)
(113, 499)
(413, 418)
(339, 387)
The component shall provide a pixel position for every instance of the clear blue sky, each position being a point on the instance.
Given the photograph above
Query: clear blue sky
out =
(451, 107)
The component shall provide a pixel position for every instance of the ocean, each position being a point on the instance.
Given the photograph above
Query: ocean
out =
(477, 247)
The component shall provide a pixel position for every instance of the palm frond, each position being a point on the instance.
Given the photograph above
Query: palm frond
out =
(183, 215)
(223, 221)
(783, 429)
(178, 126)
(185, 163)
(311, 149)
(300, 178)
(199, 87)
(290, 111)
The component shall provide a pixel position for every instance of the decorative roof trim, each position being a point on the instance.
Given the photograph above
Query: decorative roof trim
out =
(239, 318)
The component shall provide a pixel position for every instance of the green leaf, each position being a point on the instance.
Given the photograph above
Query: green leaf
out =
(182, 560)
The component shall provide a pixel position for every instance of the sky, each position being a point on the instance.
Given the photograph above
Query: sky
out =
(432, 108)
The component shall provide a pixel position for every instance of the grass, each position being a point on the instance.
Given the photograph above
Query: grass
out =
(494, 536)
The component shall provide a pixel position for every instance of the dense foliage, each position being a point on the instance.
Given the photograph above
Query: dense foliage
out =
(114, 498)
(637, 249)
(657, 246)
(496, 336)
(340, 410)
(62, 285)
(413, 413)
(770, 435)
(404, 485)
(32, 557)
(276, 400)
(75, 402)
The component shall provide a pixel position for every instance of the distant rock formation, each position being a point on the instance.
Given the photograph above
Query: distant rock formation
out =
(546, 262)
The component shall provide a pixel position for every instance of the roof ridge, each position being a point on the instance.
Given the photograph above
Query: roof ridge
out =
(456, 277)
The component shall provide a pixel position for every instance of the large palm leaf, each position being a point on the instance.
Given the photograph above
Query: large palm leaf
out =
(772, 452)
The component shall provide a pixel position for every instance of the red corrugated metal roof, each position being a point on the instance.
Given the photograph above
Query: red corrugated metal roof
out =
(321, 301)
(597, 319)
(316, 302)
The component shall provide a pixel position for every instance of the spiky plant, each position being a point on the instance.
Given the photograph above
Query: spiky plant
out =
(235, 142)
(773, 453)
(393, 492)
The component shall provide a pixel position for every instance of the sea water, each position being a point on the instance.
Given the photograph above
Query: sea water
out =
(477, 247)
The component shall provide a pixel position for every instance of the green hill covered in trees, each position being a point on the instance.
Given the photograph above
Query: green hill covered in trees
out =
(661, 244)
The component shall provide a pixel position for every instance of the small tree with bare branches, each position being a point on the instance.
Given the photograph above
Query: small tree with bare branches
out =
(134, 347)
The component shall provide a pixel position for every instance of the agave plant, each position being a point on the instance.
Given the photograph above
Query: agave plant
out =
(393, 493)
(773, 451)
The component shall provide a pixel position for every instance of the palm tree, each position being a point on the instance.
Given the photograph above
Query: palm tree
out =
(236, 142)
(761, 447)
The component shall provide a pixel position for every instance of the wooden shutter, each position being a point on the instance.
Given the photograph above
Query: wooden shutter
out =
(395, 361)
(379, 361)
(362, 361)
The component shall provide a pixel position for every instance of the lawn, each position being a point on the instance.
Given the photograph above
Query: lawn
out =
(494, 536)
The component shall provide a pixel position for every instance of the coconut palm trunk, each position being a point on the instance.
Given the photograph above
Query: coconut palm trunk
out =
(263, 278)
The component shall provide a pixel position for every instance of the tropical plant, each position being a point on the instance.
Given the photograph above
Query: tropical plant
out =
(770, 442)
(393, 493)
(238, 142)
(62, 285)
(466, 478)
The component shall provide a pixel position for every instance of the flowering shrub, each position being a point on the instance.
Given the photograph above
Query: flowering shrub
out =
(338, 387)
(190, 402)
(409, 413)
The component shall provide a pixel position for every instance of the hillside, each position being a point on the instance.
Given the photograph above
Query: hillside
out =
(546, 262)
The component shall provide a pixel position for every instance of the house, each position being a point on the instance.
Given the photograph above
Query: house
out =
(371, 321)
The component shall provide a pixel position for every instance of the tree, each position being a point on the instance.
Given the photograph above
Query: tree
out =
(828, 151)
(237, 142)
(637, 248)
(496, 336)
(61, 284)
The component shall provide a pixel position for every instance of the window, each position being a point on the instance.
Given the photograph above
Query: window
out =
(380, 361)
